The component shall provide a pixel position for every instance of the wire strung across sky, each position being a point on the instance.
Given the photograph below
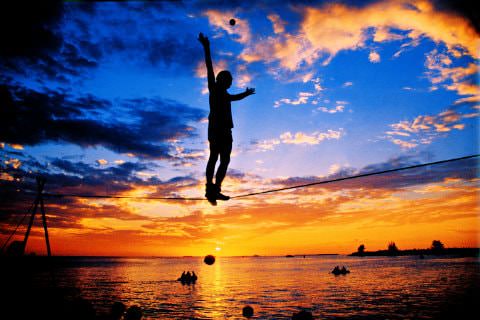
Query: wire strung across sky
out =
(72, 195)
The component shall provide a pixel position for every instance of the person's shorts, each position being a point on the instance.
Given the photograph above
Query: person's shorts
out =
(220, 140)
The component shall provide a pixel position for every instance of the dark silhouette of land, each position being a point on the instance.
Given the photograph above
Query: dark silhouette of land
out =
(461, 252)
(437, 248)
(220, 124)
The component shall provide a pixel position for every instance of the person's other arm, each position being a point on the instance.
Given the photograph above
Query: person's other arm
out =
(240, 96)
(208, 60)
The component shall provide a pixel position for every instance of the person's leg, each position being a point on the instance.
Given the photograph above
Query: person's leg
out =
(225, 151)
(212, 161)
(210, 190)
(222, 168)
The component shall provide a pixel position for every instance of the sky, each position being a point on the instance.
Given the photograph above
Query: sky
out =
(112, 99)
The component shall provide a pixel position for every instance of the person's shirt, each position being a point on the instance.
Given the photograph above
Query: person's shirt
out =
(220, 117)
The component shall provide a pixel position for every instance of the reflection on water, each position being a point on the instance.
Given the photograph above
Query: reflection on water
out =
(383, 287)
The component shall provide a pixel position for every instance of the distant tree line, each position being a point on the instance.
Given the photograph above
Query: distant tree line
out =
(436, 248)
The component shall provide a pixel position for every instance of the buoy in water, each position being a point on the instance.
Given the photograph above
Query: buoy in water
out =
(209, 259)
(247, 312)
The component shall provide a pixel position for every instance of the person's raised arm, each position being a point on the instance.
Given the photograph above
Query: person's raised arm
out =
(208, 60)
(240, 96)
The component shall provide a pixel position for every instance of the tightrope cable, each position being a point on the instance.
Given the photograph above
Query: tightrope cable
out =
(352, 177)
(65, 195)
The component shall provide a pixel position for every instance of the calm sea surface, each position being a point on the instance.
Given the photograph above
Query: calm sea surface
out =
(276, 287)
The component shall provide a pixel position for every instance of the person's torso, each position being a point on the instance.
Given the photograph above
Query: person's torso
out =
(220, 116)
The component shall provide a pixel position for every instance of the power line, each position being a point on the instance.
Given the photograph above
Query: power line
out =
(63, 195)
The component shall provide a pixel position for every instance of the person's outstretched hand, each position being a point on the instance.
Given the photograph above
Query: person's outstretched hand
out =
(203, 40)
(250, 91)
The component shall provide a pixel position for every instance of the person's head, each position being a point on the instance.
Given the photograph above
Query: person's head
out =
(134, 313)
(118, 309)
(224, 79)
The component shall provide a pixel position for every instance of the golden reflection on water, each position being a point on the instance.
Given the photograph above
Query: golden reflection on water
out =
(387, 287)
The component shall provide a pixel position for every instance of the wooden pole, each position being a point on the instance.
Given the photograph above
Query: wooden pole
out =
(38, 201)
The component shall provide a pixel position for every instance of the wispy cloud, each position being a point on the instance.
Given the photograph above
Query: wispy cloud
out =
(338, 108)
(298, 138)
(277, 23)
(425, 128)
(459, 79)
(303, 97)
(101, 162)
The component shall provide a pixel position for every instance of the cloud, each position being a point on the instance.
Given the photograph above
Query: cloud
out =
(101, 162)
(404, 144)
(34, 45)
(266, 145)
(462, 7)
(16, 146)
(381, 202)
(374, 57)
(301, 99)
(304, 96)
(382, 34)
(322, 28)
(14, 163)
(298, 138)
(52, 116)
(463, 80)
(338, 108)
(425, 128)
(463, 170)
(327, 29)
(70, 38)
(277, 23)
(313, 138)
(220, 20)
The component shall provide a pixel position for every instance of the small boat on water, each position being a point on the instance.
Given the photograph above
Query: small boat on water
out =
(338, 271)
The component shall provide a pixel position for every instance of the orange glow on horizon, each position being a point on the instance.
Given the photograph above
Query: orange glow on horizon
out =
(336, 222)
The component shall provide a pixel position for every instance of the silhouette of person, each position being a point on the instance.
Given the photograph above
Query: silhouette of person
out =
(194, 276)
(117, 310)
(134, 313)
(182, 277)
(220, 124)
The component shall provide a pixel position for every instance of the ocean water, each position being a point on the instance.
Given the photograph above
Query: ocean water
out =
(276, 287)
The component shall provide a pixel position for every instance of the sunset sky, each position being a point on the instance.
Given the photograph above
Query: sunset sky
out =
(111, 99)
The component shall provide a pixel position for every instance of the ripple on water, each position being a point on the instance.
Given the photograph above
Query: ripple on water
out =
(377, 288)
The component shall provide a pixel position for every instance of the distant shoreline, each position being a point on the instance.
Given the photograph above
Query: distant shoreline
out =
(462, 252)
(467, 252)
